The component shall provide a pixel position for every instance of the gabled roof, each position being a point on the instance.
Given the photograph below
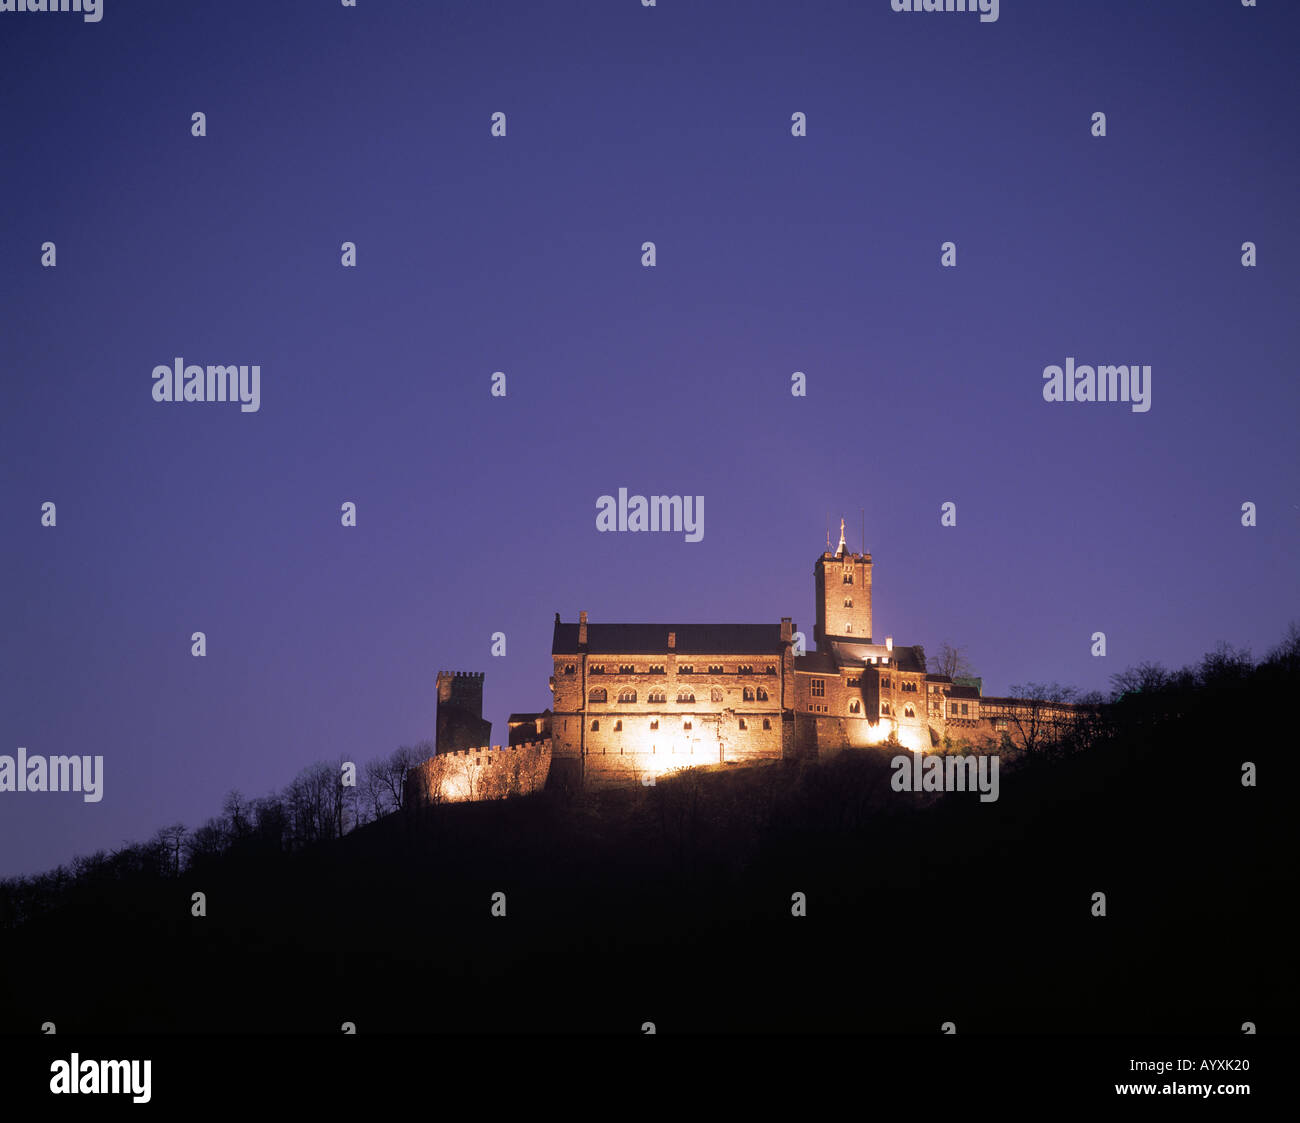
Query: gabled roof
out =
(652, 639)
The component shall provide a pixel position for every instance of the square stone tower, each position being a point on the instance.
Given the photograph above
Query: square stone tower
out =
(843, 596)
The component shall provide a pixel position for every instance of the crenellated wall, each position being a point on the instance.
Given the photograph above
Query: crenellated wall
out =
(481, 773)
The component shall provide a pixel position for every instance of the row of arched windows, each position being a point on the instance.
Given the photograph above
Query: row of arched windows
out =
(600, 694)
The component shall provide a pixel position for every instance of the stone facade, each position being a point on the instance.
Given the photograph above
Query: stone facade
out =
(638, 700)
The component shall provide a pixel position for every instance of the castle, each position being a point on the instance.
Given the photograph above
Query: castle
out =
(632, 701)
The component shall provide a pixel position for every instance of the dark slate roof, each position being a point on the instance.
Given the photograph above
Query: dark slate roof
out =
(652, 639)
(937, 678)
(963, 692)
(817, 662)
(908, 659)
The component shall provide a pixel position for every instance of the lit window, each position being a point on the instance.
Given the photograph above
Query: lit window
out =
(686, 725)
(908, 711)
(884, 707)
(848, 629)
(618, 727)
(654, 724)
(744, 669)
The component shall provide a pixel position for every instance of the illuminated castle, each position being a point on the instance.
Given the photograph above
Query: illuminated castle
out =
(632, 701)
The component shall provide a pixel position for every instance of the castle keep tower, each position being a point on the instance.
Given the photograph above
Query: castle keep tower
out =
(843, 596)
(460, 723)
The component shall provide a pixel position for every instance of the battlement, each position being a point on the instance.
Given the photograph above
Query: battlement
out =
(525, 746)
(461, 674)
(480, 773)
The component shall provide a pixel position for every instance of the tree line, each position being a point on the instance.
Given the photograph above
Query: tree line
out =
(317, 806)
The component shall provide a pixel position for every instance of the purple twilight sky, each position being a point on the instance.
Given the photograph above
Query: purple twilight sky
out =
(522, 254)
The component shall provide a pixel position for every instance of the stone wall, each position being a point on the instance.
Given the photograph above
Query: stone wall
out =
(481, 773)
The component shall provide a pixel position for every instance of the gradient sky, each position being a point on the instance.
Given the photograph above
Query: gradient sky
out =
(522, 254)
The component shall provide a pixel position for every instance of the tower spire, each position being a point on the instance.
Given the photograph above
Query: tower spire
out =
(840, 548)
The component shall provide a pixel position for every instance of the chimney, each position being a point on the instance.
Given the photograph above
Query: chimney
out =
(889, 643)
(672, 641)
(582, 629)
(787, 631)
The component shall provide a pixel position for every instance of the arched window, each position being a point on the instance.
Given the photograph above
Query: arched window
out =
(627, 695)
(618, 727)
(848, 602)
(595, 727)
(656, 696)
(748, 694)
(855, 706)
(884, 708)
(684, 697)
(715, 695)
(762, 694)
(908, 711)
(597, 695)
(767, 723)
